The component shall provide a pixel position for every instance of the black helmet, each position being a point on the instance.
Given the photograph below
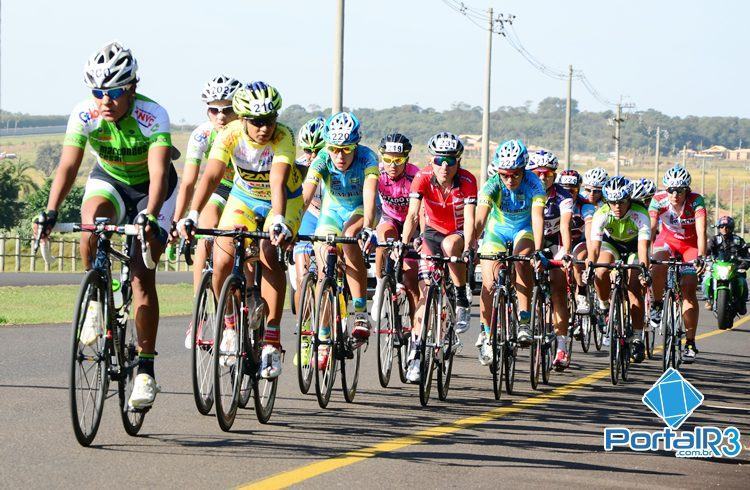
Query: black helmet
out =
(727, 221)
(395, 143)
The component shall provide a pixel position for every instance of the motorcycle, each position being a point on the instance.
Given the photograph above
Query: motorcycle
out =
(725, 292)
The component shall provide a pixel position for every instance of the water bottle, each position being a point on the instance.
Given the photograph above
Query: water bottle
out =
(117, 293)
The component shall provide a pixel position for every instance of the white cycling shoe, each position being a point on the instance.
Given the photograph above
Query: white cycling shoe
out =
(144, 392)
(228, 348)
(91, 329)
(270, 362)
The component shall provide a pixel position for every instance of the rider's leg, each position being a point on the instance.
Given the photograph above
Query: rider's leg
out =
(94, 207)
(601, 280)
(209, 218)
(659, 273)
(561, 314)
(690, 309)
(385, 230)
(453, 245)
(411, 283)
(524, 275)
(356, 273)
(489, 267)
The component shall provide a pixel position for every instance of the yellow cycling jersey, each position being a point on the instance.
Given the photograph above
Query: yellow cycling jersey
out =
(252, 161)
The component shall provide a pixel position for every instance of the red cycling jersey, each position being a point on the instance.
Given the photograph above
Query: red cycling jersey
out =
(444, 212)
(680, 226)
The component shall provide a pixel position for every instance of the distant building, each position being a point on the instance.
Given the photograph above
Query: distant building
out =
(740, 155)
(717, 151)
(473, 144)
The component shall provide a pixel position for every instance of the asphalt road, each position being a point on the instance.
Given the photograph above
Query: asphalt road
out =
(547, 438)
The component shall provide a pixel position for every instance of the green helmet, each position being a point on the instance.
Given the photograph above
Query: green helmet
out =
(256, 99)
(311, 134)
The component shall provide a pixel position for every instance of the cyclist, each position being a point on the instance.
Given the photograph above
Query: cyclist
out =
(510, 209)
(394, 184)
(133, 180)
(267, 188)
(724, 246)
(447, 195)
(580, 231)
(558, 213)
(217, 95)
(310, 139)
(349, 171)
(620, 231)
(593, 182)
(682, 215)
(643, 191)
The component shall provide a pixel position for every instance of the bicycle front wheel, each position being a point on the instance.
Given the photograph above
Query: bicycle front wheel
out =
(668, 327)
(89, 364)
(537, 333)
(448, 346)
(386, 328)
(510, 343)
(201, 363)
(228, 348)
(305, 319)
(497, 332)
(264, 390)
(132, 419)
(427, 348)
(615, 327)
(325, 338)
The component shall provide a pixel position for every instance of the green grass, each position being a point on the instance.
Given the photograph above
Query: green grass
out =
(54, 304)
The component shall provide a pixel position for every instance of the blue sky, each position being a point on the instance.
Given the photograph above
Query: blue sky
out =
(679, 57)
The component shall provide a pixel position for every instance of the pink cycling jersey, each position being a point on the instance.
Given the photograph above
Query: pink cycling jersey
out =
(680, 225)
(394, 194)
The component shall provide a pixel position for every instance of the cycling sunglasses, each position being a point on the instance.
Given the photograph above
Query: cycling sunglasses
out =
(340, 149)
(541, 172)
(676, 190)
(112, 93)
(397, 161)
(592, 190)
(619, 202)
(449, 161)
(511, 174)
(259, 122)
(214, 110)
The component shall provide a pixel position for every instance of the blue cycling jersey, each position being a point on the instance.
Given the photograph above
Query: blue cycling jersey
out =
(511, 209)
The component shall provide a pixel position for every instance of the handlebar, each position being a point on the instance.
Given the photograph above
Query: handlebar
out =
(329, 239)
(502, 257)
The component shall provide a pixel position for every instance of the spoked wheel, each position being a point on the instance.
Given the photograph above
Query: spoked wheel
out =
(510, 344)
(584, 322)
(668, 325)
(615, 327)
(649, 338)
(679, 327)
(89, 364)
(537, 332)
(305, 319)
(498, 334)
(204, 324)
(228, 359)
(427, 348)
(350, 366)
(386, 327)
(593, 316)
(132, 419)
(625, 349)
(325, 338)
(264, 390)
(448, 345)
(549, 343)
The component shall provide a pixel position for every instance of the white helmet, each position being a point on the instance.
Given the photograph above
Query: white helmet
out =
(643, 189)
(111, 66)
(676, 177)
(595, 177)
(221, 87)
(617, 188)
(542, 159)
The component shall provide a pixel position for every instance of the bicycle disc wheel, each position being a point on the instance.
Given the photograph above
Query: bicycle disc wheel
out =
(427, 348)
(264, 390)
(614, 339)
(201, 362)
(537, 331)
(132, 420)
(497, 332)
(228, 359)
(89, 364)
(325, 355)
(448, 346)
(386, 328)
(305, 318)
(510, 343)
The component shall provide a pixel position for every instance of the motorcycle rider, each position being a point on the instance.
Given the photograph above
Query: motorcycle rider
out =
(723, 246)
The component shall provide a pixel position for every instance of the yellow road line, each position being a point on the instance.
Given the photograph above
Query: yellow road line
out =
(297, 475)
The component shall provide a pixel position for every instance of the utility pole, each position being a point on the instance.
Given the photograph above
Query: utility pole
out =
(656, 156)
(716, 196)
(486, 113)
(703, 176)
(684, 156)
(618, 120)
(338, 62)
(731, 197)
(566, 145)
(742, 221)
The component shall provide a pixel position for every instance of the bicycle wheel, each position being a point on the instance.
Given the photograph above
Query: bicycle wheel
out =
(626, 333)
(305, 318)
(386, 328)
(614, 328)
(593, 319)
(448, 346)
(228, 359)
(549, 342)
(325, 356)
(89, 364)
(584, 321)
(246, 391)
(264, 390)
(404, 340)
(497, 332)
(427, 348)
(679, 332)
(350, 366)
(510, 343)
(132, 419)
(668, 326)
(537, 332)
(201, 362)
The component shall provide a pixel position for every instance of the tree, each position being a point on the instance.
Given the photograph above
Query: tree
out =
(70, 211)
(21, 173)
(47, 157)
(9, 190)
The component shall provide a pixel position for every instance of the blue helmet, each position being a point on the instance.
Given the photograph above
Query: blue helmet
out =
(509, 156)
(342, 129)
(617, 188)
